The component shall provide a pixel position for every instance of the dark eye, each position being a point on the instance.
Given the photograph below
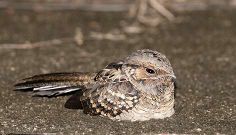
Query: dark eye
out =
(150, 71)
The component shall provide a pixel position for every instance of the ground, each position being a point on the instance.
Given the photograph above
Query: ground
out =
(200, 45)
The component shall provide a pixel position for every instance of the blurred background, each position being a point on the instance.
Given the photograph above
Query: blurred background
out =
(131, 15)
(44, 36)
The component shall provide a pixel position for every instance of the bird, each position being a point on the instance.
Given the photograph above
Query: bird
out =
(138, 87)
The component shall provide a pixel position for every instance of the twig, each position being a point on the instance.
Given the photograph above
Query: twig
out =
(29, 45)
(134, 8)
(161, 9)
(107, 36)
(79, 37)
(73, 5)
(141, 10)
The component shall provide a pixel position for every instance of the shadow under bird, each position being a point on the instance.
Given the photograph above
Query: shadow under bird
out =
(140, 87)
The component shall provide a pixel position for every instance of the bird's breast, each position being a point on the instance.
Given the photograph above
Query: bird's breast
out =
(155, 102)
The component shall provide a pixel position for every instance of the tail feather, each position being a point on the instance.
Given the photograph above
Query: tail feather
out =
(55, 84)
(56, 92)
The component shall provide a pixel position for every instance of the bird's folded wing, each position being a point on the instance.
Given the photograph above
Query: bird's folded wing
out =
(110, 99)
(112, 73)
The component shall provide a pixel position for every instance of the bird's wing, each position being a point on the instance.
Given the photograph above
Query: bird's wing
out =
(55, 84)
(112, 73)
(111, 76)
(111, 94)
(110, 99)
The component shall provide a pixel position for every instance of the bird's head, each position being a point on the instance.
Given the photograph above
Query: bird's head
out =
(150, 72)
(148, 64)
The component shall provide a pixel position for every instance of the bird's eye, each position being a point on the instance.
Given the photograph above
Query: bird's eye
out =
(150, 71)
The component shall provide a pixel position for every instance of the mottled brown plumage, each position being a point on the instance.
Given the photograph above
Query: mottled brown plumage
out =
(139, 87)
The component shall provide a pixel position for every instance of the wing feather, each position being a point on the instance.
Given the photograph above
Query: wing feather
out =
(112, 73)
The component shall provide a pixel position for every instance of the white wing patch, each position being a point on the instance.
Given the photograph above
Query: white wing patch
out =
(50, 87)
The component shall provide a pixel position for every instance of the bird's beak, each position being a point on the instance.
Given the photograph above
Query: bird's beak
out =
(173, 76)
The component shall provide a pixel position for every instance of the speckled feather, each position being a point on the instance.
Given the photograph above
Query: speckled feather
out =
(137, 88)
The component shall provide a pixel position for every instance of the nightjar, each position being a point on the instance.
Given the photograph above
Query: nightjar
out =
(140, 87)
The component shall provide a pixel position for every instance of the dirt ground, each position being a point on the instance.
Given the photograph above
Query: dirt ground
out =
(200, 45)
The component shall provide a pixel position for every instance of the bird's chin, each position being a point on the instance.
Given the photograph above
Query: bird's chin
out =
(168, 76)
